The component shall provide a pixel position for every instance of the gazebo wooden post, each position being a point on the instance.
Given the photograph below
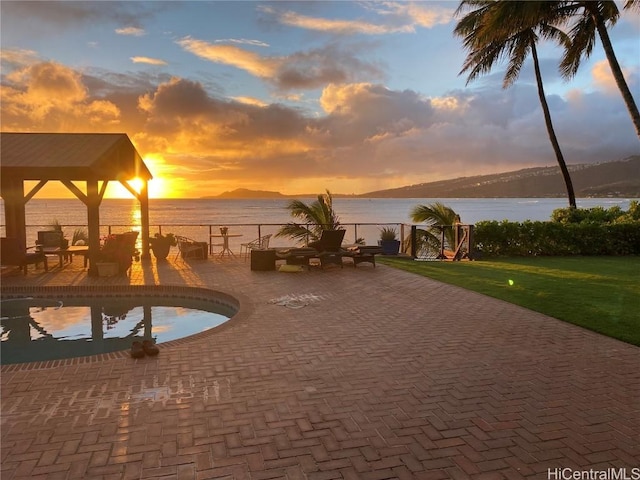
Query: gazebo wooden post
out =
(143, 198)
(93, 225)
(14, 209)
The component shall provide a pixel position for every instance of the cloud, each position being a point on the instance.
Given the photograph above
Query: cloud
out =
(341, 27)
(365, 137)
(391, 17)
(418, 14)
(250, 101)
(148, 60)
(131, 31)
(18, 57)
(244, 41)
(55, 15)
(232, 55)
(603, 77)
(52, 97)
(301, 70)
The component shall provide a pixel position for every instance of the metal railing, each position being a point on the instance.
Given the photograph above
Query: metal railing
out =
(363, 232)
(414, 241)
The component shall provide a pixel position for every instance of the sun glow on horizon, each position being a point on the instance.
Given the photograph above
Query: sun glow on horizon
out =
(160, 186)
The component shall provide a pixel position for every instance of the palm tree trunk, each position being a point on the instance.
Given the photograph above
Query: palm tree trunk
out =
(617, 71)
(550, 130)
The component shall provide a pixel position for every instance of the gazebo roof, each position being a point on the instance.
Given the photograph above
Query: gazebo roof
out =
(70, 156)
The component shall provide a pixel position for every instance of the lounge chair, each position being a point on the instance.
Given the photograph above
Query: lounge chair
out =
(297, 256)
(328, 249)
(12, 254)
(260, 243)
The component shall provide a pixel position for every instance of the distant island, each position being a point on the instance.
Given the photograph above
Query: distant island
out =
(608, 179)
(246, 193)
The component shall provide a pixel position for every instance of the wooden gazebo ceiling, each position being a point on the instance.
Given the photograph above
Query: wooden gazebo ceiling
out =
(70, 156)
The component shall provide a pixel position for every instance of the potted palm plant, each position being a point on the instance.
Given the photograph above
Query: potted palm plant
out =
(389, 241)
(161, 244)
(116, 256)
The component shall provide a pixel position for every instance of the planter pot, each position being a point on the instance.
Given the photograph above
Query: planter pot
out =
(160, 250)
(390, 247)
(107, 269)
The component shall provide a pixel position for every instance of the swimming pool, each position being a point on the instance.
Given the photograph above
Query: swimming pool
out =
(55, 323)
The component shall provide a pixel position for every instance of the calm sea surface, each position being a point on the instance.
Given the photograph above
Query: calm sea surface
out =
(192, 217)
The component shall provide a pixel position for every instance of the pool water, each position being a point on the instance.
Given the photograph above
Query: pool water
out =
(38, 329)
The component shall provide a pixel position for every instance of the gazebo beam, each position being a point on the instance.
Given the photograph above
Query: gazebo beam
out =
(75, 190)
(35, 190)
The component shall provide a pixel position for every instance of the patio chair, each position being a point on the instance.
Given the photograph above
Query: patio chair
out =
(50, 239)
(260, 243)
(12, 254)
(188, 248)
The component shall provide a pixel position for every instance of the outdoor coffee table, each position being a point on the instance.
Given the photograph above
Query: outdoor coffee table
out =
(68, 252)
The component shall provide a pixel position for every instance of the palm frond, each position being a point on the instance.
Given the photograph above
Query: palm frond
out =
(317, 216)
(437, 216)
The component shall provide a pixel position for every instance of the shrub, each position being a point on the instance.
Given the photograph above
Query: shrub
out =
(572, 231)
(597, 214)
(555, 238)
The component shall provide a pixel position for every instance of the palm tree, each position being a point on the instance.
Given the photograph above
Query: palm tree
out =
(317, 216)
(593, 16)
(499, 29)
(438, 217)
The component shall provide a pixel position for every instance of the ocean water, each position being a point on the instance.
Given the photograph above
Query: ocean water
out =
(197, 218)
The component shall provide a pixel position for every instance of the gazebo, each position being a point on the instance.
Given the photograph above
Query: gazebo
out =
(92, 158)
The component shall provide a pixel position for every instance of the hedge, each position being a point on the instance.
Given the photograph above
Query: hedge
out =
(506, 238)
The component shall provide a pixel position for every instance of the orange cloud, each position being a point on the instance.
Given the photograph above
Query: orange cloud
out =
(339, 26)
(232, 55)
(131, 31)
(53, 97)
(603, 78)
(417, 14)
(366, 137)
(251, 101)
(148, 60)
(299, 70)
(18, 57)
(393, 17)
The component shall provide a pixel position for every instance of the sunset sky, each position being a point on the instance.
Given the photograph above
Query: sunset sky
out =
(298, 97)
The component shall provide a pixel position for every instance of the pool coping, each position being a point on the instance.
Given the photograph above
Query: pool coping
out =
(98, 291)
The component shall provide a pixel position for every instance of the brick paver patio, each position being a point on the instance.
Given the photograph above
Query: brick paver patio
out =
(386, 375)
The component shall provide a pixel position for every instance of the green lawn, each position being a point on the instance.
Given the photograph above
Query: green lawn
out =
(598, 293)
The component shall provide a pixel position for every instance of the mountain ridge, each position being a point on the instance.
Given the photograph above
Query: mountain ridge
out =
(619, 178)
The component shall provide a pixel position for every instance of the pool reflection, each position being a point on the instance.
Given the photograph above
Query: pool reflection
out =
(45, 329)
